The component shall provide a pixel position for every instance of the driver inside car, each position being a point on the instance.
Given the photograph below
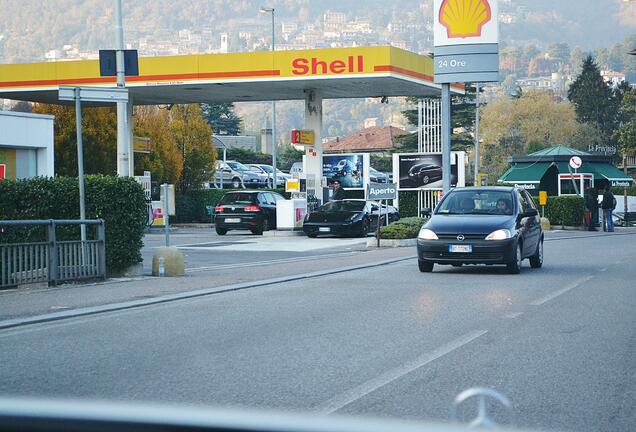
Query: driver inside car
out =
(504, 207)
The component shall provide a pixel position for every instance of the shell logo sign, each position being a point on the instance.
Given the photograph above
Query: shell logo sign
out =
(464, 18)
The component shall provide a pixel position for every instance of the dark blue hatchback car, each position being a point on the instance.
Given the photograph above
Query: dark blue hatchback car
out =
(482, 225)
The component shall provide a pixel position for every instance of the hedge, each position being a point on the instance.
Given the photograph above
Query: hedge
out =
(565, 210)
(403, 229)
(120, 201)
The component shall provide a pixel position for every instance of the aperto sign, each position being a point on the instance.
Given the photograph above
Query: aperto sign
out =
(382, 191)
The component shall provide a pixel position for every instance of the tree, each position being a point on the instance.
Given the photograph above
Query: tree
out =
(626, 134)
(165, 161)
(221, 118)
(513, 126)
(287, 156)
(559, 51)
(193, 137)
(99, 138)
(592, 98)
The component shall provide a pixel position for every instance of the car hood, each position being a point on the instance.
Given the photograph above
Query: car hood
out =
(331, 216)
(469, 224)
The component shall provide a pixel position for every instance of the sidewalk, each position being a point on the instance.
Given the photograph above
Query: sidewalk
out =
(30, 302)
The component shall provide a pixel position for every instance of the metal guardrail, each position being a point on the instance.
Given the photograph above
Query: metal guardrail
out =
(52, 261)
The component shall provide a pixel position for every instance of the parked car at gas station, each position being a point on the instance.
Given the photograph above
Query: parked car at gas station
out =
(236, 175)
(351, 217)
(246, 210)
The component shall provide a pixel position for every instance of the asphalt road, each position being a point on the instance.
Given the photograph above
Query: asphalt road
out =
(386, 341)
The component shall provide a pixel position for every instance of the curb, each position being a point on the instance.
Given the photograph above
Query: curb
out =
(133, 304)
(373, 243)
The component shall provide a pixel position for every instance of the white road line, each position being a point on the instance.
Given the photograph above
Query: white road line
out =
(277, 261)
(555, 294)
(513, 315)
(344, 399)
(603, 269)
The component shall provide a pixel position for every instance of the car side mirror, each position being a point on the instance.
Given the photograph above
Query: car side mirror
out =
(426, 212)
(532, 212)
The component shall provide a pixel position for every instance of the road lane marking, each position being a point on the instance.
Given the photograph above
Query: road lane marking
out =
(513, 315)
(603, 269)
(555, 294)
(358, 392)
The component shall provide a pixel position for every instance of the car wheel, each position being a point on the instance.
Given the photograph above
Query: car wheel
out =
(536, 260)
(514, 267)
(425, 266)
(220, 231)
(264, 227)
(236, 183)
(364, 231)
(425, 180)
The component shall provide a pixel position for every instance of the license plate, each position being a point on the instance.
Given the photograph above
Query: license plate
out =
(324, 229)
(460, 248)
(232, 220)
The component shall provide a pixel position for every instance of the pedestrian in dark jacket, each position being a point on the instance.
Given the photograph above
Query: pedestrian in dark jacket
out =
(608, 204)
(338, 192)
(591, 203)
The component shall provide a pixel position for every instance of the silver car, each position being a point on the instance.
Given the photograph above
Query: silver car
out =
(268, 172)
(237, 175)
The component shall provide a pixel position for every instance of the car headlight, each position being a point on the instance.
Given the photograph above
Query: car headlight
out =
(501, 234)
(427, 234)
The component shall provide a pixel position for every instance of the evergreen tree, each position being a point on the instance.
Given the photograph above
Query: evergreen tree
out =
(593, 99)
(221, 118)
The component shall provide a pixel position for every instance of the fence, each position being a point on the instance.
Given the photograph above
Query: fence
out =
(52, 261)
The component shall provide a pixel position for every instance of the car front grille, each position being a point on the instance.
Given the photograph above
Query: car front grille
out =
(466, 236)
(489, 256)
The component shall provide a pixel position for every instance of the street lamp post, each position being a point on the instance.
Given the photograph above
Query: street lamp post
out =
(275, 183)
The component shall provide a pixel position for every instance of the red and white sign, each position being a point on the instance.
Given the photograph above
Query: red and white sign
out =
(462, 22)
(576, 162)
(3, 169)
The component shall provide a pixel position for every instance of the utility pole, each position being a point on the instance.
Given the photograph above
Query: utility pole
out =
(80, 162)
(274, 149)
(476, 179)
(446, 138)
(123, 146)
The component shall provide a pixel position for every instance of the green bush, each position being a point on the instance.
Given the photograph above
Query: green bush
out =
(191, 207)
(565, 210)
(403, 229)
(120, 201)
(618, 191)
(408, 204)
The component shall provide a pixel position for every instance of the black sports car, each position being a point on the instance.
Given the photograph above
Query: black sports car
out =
(482, 225)
(425, 173)
(347, 218)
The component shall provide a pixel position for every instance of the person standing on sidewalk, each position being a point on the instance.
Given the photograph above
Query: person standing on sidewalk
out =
(591, 203)
(608, 204)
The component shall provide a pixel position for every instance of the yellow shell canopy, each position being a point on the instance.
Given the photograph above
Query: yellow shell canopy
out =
(464, 18)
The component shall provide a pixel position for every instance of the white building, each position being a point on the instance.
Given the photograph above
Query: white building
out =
(26, 145)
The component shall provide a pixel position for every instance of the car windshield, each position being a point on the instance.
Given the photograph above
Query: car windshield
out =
(237, 166)
(266, 168)
(490, 202)
(238, 198)
(339, 206)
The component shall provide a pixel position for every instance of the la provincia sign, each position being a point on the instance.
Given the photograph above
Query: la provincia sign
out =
(466, 39)
(382, 191)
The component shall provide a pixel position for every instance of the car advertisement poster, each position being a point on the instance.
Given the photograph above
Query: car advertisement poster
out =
(350, 169)
(421, 171)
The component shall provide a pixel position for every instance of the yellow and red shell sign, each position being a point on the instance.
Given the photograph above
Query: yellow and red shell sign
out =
(464, 18)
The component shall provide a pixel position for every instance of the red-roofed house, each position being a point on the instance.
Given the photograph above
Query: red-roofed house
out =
(369, 140)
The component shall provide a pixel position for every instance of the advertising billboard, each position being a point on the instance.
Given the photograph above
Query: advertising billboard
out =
(466, 41)
(352, 170)
(420, 171)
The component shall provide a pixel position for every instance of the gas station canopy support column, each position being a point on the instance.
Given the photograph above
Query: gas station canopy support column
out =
(313, 154)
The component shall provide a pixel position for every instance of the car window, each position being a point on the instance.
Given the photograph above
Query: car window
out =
(237, 166)
(269, 197)
(337, 206)
(277, 197)
(489, 202)
(238, 198)
(529, 200)
(523, 204)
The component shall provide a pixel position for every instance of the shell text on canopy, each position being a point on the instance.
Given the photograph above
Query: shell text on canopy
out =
(464, 18)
